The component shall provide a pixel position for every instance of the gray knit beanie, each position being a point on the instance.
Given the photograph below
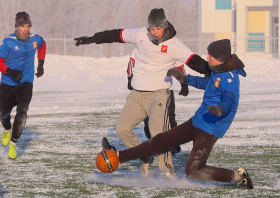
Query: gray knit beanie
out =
(157, 18)
(220, 50)
(22, 18)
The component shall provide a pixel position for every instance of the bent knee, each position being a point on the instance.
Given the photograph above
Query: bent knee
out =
(191, 173)
(22, 108)
(121, 129)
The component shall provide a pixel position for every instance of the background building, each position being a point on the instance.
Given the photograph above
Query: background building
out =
(251, 25)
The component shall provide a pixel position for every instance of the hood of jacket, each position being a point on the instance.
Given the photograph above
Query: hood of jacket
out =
(233, 64)
(169, 33)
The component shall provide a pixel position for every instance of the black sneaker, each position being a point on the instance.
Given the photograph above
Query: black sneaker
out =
(175, 150)
(245, 179)
(107, 146)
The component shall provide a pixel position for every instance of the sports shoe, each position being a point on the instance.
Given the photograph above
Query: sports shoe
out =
(170, 176)
(175, 150)
(245, 179)
(12, 151)
(6, 137)
(146, 167)
(107, 146)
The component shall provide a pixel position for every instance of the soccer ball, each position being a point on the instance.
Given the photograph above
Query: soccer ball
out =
(107, 161)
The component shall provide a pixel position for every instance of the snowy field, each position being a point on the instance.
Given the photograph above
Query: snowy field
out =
(77, 102)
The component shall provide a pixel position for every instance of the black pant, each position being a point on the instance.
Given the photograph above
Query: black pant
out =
(202, 146)
(11, 96)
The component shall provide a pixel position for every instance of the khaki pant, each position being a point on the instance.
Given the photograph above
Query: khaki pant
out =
(139, 105)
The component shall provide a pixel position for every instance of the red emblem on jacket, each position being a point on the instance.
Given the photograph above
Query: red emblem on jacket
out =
(217, 82)
(164, 48)
(35, 45)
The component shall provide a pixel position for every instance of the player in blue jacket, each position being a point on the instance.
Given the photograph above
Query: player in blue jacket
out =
(210, 122)
(17, 53)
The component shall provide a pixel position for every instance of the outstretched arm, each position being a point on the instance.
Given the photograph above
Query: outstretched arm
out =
(108, 36)
(198, 64)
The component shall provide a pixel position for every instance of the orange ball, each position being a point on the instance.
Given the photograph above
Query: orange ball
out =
(107, 161)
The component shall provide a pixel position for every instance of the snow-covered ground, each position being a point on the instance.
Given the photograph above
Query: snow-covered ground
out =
(78, 101)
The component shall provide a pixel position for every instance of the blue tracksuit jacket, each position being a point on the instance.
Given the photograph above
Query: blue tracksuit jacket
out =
(215, 85)
(20, 55)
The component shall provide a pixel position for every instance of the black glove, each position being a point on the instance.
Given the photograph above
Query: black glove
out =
(83, 40)
(176, 73)
(129, 83)
(215, 110)
(40, 68)
(184, 90)
(14, 73)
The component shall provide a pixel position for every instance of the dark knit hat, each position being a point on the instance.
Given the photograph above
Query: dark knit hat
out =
(220, 50)
(22, 18)
(157, 18)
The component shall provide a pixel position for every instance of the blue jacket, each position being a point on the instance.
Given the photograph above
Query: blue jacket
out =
(215, 86)
(20, 55)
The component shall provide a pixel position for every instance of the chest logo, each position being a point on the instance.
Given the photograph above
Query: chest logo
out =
(217, 82)
(35, 45)
(164, 48)
(229, 80)
(16, 48)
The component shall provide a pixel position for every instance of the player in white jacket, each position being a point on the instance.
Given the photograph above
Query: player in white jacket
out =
(171, 108)
(157, 49)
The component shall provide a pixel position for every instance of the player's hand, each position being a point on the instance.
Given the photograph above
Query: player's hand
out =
(82, 40)
(184, 90)
(215, 110)
(176, 73)
(40, 68)
(14, 73)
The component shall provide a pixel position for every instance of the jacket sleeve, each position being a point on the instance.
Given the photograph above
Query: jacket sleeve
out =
(227, 103)
(3, 66)
(198, 64)
(197, 82)
(42, 51)
(108, 36)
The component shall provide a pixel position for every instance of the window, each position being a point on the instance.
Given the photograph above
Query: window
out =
(256, 42)
(223, 4)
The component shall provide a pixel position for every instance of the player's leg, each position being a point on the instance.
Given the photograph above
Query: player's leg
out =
(6, 105)
(132, 114)
(171, 110)
(160, 142)
(172, 120)
(146, 128)
(157, 110)
(23, 97)
(196, 166)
